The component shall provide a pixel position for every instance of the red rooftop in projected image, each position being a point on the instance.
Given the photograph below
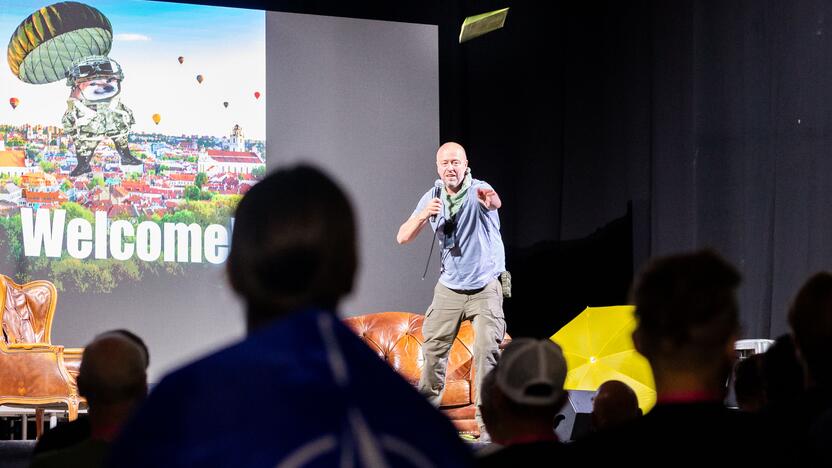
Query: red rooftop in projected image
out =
(176, 170)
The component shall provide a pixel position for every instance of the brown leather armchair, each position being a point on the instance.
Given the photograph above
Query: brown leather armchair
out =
(397, 338)
(32, 370)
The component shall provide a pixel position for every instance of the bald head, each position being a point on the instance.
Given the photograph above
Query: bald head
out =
(451, 148)
(132, 337)
(451, 165)
(614, 404)
(112, 371)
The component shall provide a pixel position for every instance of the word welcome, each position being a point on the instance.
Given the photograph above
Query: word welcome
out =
(120, 239)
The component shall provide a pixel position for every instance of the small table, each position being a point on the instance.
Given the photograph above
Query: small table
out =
(25, 413)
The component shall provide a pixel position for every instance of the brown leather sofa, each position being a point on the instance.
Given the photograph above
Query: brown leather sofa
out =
(33, 372)
(397, 338)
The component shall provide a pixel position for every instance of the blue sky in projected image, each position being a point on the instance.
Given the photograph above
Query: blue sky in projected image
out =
(225, 45)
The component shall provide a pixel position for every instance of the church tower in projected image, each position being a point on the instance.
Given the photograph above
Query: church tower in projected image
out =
(233, 159)
(238, 140)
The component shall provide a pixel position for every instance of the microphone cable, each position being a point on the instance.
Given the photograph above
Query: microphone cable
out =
(437, 191)
(432, 243)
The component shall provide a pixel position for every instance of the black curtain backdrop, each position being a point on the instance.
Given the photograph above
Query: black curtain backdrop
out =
(710, 118)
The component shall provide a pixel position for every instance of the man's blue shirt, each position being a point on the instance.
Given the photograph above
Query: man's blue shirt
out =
(472, 251)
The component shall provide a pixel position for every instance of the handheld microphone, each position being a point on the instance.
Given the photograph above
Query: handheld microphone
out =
(437, 191)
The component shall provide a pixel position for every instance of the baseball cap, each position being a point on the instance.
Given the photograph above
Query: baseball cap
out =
(532, 372)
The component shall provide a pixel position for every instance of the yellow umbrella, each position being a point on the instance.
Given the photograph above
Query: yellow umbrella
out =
(598, 347)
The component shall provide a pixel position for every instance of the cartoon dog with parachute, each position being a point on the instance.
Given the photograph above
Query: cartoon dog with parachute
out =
(71, 40)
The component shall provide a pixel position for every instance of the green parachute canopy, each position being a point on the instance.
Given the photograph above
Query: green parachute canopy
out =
(44, 45)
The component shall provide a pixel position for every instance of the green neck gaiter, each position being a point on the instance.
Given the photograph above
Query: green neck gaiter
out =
(455, 201)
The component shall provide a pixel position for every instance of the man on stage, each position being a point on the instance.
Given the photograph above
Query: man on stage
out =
(463, 212)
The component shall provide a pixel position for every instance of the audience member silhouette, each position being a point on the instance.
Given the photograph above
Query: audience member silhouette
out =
(113, 380)
(787, 412)
(521, 397)
(749, 384)
(810, 318)
(687, 322)
(301, 389)
(614, 404)
(72, 432)
(783, 375)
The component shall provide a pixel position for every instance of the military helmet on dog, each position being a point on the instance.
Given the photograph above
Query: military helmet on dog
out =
(93, 66)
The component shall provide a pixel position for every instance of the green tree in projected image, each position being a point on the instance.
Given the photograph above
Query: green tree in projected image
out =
(104, 275)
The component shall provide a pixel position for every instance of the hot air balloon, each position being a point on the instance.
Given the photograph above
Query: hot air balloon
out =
(157, 118)
(45, 44)
(181, 59)
(14, 102)
(199, 78)
(225, 104)
(257, 95)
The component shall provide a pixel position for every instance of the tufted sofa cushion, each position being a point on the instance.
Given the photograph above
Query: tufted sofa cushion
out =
(397, 338)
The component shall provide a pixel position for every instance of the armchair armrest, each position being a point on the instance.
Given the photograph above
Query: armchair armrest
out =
(72, 361)
(20, 347)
